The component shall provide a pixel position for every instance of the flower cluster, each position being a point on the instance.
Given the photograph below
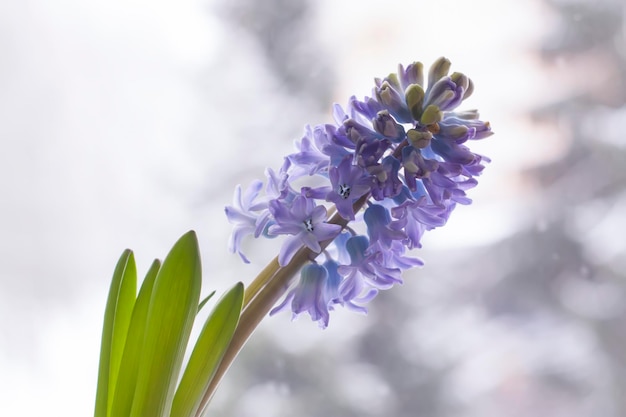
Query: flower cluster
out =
(396, 163)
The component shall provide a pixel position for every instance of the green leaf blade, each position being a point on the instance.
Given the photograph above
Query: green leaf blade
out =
(117, 316)
(205, 300)
(173, 306)
(129, 367)
(208, 352)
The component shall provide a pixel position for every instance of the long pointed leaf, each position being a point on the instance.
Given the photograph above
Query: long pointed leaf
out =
(127, 379)
(208, 352)
(117, 316)
(173, 306)
(205, 300)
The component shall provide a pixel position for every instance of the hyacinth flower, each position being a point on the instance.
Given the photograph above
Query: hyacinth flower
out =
(350, 203)
(394, 165)
(397, 161)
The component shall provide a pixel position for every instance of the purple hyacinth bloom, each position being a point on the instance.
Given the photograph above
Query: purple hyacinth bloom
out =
(445, 94)
(358, 132)
(476, 129)
(413, 74)
(278, 184)
(416, 166)
(248, 217)
(380, 227)
(312, 294)
(310, 159)
(365, 268)
(348, 184)
(417, 216)
(387, 183)
(338, 250)
(336, 281)
(368, 107)
(385, 125)
(336, 152)
(452, 152)
(354, 293)
(333, 283)
(443, 188)
(304, 222)
(315, 149)
(396, 256)
(390, 94)
(369, 152)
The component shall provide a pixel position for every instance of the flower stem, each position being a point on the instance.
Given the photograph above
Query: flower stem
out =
(260, 281)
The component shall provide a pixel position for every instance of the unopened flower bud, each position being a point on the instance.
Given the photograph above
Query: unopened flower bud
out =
(419, 139)
(431, 115)
(390, 98)
(438, 70)
(387, 126)
(414, 96)
(453, 132)
(463, 81)
(414, 74)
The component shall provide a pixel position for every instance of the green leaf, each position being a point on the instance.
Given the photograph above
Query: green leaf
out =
(173, 306)
(117, 316)
(127, 379)
(203, 302)
(208, 352)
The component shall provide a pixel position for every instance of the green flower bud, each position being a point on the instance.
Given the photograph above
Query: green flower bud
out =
(415, 73)
(419, 139)
(385, 94)
(460, 79)
(431, 115)
(414, 96)
(393, 80)
(385, 124)
(470, 89)
(468, 114)
(438, 70)
(453, 132)
(463, 81)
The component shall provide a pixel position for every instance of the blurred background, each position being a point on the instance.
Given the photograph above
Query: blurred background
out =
(127, 123)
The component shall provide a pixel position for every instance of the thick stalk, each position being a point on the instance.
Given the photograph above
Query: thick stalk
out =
(259, 282)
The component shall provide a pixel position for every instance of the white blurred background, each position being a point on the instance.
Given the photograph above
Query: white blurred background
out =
(125, 124)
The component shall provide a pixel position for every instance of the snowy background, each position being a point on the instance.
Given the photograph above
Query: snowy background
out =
(125, 124)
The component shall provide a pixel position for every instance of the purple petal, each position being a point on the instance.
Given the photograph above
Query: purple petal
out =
(288, 250)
